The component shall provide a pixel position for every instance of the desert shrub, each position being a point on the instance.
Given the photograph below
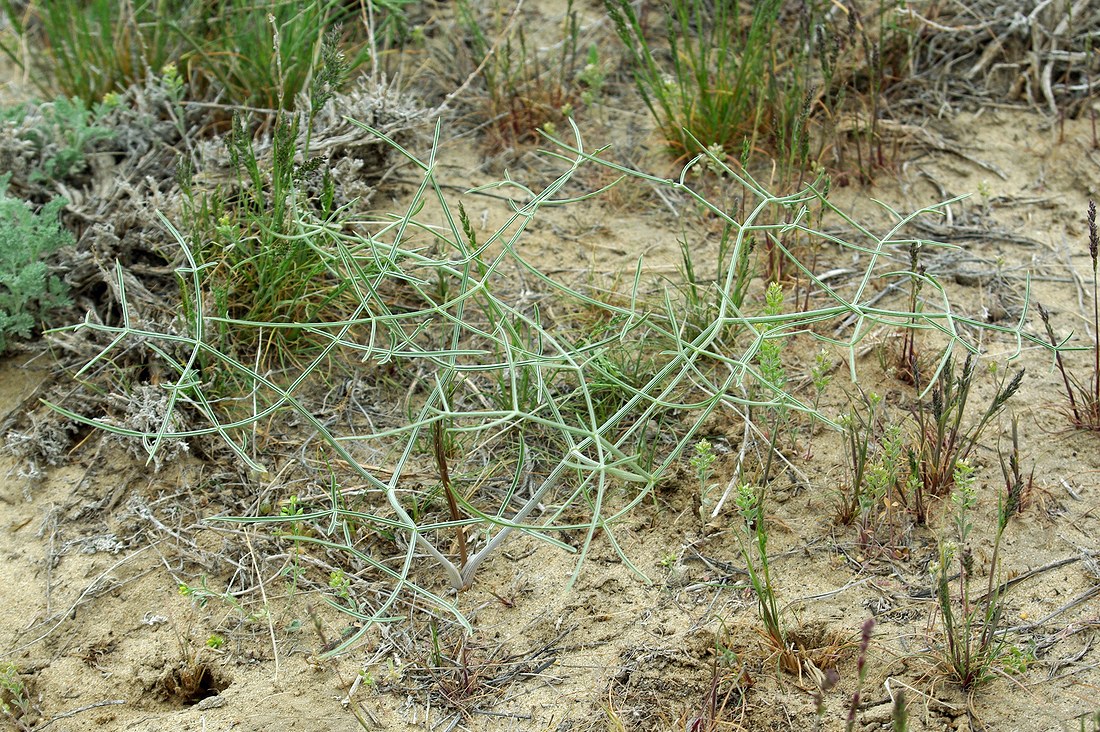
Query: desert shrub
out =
(27, 289)
(47, 142)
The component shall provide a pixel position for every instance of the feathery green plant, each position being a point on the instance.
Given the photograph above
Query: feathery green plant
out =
(65, 136)
(61, 134)
(770, 355)
(27, 289)
(702, 462)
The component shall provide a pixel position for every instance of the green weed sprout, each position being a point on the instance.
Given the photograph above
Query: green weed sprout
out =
(884, 482)
(15, 702)
(702, 462)
(971, 646)
(294, 570)
(753, 540)
(459, 324)
(592, 77)
(876, 460)
(770, 355)
(340, 584)
(820, 375)
(861, 427)
(202, 595)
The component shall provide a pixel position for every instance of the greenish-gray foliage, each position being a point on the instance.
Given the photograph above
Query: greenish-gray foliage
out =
(27, 289)
(68, 131)
(56, 138)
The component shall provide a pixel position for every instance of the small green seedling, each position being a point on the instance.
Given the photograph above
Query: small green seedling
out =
(972, 648)
(340, 584)
(15, 703)
(752, 538)
(703, 462)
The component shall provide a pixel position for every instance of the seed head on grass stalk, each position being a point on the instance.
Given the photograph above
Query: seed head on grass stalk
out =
(1083, 395)
(899, 713)
(908, 368)
(1094, 244)
(861, 672)
(1009, 504)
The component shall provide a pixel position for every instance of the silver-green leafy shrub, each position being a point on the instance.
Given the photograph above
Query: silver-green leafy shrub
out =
(27, 289)
(51, 141)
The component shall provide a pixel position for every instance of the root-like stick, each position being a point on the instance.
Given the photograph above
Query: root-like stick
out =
(445, 479)
(263, 594)
(1034, 572)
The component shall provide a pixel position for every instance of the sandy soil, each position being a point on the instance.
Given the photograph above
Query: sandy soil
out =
(96, 548)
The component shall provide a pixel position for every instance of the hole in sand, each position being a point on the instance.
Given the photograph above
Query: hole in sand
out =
(188, 685)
